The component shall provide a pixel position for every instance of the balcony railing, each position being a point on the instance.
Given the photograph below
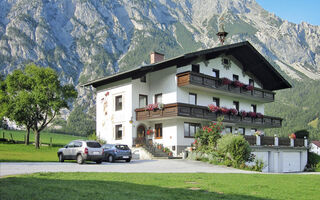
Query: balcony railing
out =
(205, 81)
(270, 141)
(202, 112)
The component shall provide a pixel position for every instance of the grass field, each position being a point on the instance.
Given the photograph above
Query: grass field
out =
(57, 139)
(160, 186)
(23, 153)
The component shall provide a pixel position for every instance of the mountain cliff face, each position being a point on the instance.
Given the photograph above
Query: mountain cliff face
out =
(87, 39)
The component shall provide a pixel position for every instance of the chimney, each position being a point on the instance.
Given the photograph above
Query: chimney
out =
(156, 57)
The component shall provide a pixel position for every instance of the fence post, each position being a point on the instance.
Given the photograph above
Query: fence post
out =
(291, 142)
(50, 141)
(258, 140)
(276, 140)
(305, 141)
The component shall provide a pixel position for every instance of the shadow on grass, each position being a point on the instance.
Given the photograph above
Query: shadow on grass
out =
(42, 187)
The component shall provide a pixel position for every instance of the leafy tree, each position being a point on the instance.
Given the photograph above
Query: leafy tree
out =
(35, 97)
(81, 123)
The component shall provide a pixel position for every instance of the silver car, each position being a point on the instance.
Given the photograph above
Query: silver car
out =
(81, 151)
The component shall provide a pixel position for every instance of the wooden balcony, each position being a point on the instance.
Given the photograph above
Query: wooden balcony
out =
(202, 112)
(205, 82)
(269, 141)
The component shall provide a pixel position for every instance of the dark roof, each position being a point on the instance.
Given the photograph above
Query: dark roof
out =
(317, 143)
(252, 61)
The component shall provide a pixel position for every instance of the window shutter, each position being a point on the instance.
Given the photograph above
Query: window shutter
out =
(123, 130)
(123, 101)
(113, 133)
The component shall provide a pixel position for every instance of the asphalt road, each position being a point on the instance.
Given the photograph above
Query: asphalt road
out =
(145, 166)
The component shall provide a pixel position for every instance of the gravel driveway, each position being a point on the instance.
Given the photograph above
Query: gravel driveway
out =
(146, 166)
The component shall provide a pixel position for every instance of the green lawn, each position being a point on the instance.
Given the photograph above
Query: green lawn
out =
(57, 139)
(160, 186)
(23, 153)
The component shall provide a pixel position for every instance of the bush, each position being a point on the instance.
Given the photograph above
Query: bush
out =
(234, 149)
(207, 136)
(313, 161)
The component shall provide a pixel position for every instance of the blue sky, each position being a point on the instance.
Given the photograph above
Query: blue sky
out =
(294, 11)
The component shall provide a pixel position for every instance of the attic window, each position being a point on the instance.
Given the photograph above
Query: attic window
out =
(226, 63)
(196, 68)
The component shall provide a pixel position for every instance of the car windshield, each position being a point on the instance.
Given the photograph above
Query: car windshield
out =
(93, 144)
(107, 146)
(122, 147)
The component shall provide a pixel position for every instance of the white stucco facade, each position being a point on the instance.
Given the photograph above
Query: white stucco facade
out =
(122, 97)
(314, 148)
(164, 82)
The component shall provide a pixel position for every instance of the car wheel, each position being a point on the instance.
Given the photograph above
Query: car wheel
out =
(61, 159)
(80, 159)
(128, 160)
(99, 161)
(110, 158)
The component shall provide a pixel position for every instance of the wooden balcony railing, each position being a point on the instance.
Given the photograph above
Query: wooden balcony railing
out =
(202, 80)
(202, 112)
(270, 141)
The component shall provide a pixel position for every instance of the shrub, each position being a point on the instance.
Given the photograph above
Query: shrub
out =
(207, 136)
(258, 165)
(234, 149)
(313, 161)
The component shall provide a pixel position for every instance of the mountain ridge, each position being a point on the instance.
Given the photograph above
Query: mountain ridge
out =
(86, 39)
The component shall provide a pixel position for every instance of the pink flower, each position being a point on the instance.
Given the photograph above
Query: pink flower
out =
(243, 113)
(249, 87)
(252, 114)
(226, 81)
(260, 115)
(238, 84)
(213, 108)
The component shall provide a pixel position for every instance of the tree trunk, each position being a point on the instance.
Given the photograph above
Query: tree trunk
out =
(37, 139)
(27, 136)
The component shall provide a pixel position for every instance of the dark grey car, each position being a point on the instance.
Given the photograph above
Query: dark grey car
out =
(114, 152)
(81, 151)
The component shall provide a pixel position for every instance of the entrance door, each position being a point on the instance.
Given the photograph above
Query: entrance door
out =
(141, 135)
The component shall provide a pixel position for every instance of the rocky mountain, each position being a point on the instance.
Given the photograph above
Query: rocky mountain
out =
(87, 39)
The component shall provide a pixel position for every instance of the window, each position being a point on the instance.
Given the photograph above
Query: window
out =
(195, 68)
(253, 108)
(215, 101)
(193, 98)
(143, 100)
(225, 61)
(235, 77)
(118, 132)
(253, 130)
(158, 98)
(190, 129)
(78, 144)
(251, 82)
(119, 102)
(215, 73)
(158, 132)
(228, 129)
(236, 105)
(143, 79)
(241, 130)
(71, 145)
